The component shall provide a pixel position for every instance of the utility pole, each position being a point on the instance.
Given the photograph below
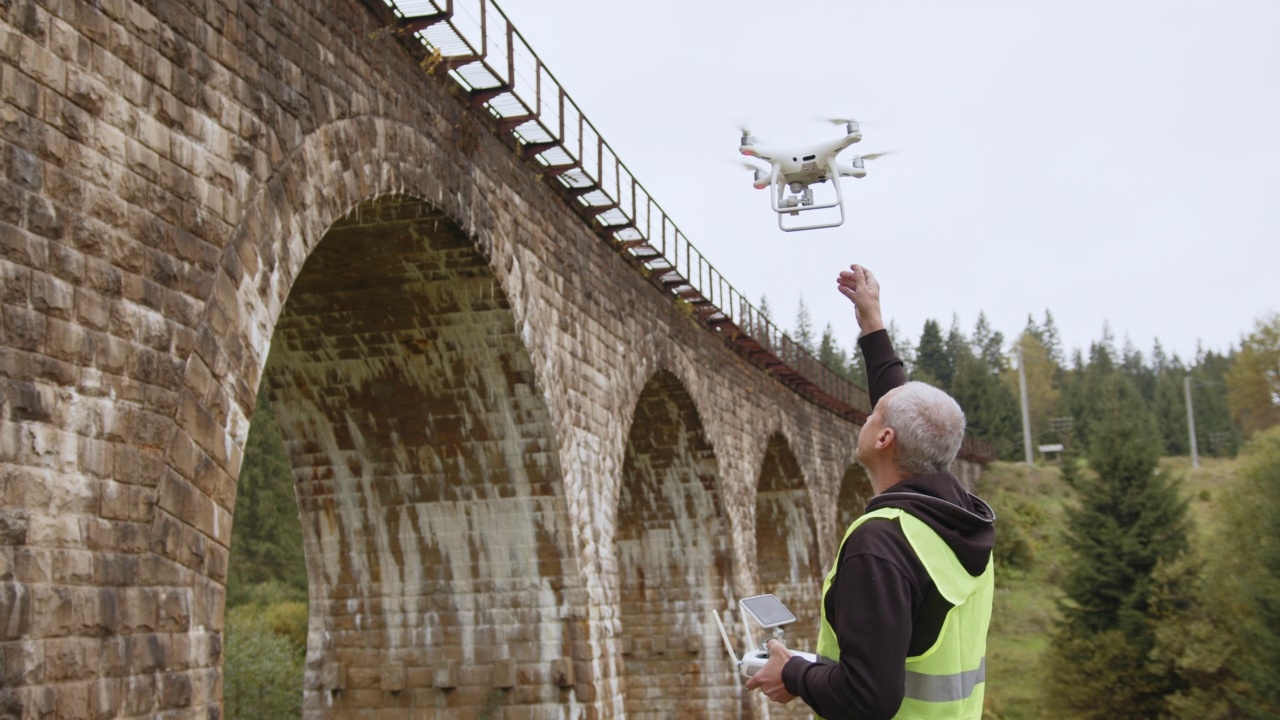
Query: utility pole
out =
(1026, 414)
(1191, 423)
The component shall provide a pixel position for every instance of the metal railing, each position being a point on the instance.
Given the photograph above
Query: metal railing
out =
(474, 43)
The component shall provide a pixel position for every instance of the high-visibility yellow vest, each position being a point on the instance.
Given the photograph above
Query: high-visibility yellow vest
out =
(945, 682)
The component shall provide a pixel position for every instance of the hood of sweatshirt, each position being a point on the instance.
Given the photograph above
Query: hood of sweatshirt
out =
(963, 520)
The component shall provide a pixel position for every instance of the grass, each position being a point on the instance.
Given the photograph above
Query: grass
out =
(1202, 486)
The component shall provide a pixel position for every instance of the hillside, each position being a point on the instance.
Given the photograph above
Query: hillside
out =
(1030, 505)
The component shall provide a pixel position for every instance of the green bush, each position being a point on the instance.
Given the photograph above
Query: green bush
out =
(288, 620)
(1013, 552)
(262, 670)
(263, 594)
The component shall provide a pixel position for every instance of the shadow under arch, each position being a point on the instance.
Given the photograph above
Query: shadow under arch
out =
(439, 548)
(787, 550)
(674, 561)
(855, 493)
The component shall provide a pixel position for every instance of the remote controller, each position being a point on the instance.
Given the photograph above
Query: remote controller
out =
(754, 660)
(769, 613)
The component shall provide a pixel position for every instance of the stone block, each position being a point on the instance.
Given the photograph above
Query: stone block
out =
(138, 610)
(92, 310)
(20, 90)
(13, 526)
(157, 570)
(446, 675)
(57, 615)
(504, 674)
(23, 169)
(393, 677)
(71, 659)
(69, 342)
(93, 457)
(174, 610)
(139, 695)
(73, 567)
(105, 698)
(216, 562)
(15, 611)
(175, 690)
(562, 673)
(126, 502)
(333, 676)
(24, 329)
(32, 566)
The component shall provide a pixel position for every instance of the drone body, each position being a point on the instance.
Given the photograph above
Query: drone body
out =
(792, 172)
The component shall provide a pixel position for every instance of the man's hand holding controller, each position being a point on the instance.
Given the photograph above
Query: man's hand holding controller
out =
(763, 669)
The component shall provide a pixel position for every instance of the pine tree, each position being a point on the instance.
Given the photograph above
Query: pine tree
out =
(957, 347)
(903, 347)
(763, 319)
(856, 367)
(1170, 407)
(804, 327)
(1216, 432)
(933, 365)
(1085, 388)
(1129, 522)
(1052, 339)
(829, 352)
(990, 408)
(989, 344)
(266, 535)
(1134, 365)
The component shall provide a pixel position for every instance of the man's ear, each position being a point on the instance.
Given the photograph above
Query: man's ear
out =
(886, 438)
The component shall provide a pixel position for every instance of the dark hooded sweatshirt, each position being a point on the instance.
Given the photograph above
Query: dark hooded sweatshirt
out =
(883, 605)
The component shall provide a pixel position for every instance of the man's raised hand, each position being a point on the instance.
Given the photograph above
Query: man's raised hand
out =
(859, 285)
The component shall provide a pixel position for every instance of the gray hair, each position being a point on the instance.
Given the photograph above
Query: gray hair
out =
(928, 425)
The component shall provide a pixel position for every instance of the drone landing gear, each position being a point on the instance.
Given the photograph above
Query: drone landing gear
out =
(793, 199)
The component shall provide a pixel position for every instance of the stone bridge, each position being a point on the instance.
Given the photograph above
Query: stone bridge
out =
(527, 466)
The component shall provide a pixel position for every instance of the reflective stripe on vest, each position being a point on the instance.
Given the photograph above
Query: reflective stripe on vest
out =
(947, 681)
(945, 688)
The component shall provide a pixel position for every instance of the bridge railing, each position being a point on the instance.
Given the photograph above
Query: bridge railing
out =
(474, 43)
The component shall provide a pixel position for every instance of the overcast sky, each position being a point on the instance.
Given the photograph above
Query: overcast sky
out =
(1113, 162)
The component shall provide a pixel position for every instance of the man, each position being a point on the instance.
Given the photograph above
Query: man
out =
(906, 606)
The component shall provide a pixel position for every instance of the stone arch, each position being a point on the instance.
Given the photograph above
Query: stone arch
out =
(427, 473)
(674, 559)
(787, 549)
(473, 561)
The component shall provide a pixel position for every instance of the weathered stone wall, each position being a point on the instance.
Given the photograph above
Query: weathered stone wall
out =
(195, 196)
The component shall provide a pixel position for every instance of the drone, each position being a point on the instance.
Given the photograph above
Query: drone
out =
(793, 171)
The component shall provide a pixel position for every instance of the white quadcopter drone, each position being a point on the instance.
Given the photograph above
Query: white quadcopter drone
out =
(793, 170)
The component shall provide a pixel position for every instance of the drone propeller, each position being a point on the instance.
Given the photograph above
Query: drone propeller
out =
(838, 121)
(873, 156)
(760, 175)
(747, 137)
